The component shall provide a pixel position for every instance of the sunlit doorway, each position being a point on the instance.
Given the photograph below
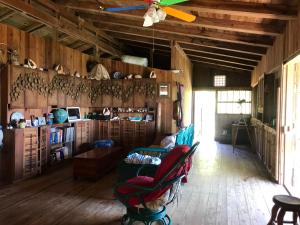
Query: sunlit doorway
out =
(204, 114)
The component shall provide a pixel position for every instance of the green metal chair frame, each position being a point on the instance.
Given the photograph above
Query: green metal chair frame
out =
(146, 215)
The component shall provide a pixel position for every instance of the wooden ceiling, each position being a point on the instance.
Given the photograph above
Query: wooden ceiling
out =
(228, 34)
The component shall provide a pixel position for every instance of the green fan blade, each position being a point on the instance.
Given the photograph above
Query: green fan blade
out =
(171, 2)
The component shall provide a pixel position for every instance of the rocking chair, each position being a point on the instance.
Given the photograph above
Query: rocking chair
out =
(146, 197)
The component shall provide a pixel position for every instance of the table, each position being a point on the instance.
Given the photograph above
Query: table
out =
(234, 132)
(96, 162)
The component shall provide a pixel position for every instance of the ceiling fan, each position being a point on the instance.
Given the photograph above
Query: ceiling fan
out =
(157, 11)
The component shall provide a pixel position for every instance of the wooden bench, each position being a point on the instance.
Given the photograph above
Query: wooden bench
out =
(96, 162)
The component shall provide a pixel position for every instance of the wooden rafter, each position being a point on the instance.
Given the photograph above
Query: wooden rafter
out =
(220, 64)
(271, 29)
(61, 23)
(221, 58)
(220, 52)
(221, 67)
(178, 34)
(237, 8)
(34, 27)
(7, 15)
(211, 43)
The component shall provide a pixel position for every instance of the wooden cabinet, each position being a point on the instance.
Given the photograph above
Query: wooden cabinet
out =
(22, 154)
(83, 136)
(265, 146)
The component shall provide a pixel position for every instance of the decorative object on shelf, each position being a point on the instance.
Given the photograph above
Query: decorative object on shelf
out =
(77, 74)
(34, 121)
(129, 76)
(60, 115)
(42, 120)
(13, 57)
(16, 116)
(50, 118)
(138, 76)
(99, 72)
(29, 63)
(59, 69)
(28, 123)
(152, 75)
(22, 123)
(117, 75)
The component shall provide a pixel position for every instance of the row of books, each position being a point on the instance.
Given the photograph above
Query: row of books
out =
(61, 135)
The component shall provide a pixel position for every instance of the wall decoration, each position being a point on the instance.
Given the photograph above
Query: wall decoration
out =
(75, 87)
(164, 90)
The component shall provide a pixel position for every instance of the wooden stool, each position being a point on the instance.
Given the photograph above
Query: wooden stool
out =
(285, 203)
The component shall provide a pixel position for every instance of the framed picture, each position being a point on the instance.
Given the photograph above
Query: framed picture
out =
(164, 90)
(42, 121)
(28, 123)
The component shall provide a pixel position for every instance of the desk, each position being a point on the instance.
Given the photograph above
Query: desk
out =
(234, 132)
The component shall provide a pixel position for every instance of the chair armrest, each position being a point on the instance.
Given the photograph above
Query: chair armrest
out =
(149, 149)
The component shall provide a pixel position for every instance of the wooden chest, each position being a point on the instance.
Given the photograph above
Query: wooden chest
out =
(96, 162)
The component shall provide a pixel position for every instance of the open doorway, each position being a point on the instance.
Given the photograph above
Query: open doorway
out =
(204, 114)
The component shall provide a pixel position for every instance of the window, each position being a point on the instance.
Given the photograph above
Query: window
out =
(219, 80)
(234, 102)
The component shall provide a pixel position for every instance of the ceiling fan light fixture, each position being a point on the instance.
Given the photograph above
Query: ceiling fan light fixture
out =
(161, 14)
(148, 22)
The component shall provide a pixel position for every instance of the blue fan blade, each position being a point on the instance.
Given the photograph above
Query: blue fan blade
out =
(116, 9)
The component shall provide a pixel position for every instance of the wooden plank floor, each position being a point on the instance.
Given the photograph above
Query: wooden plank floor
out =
(224, 188)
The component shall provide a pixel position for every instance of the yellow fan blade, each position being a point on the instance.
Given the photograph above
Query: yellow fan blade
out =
(179, 14)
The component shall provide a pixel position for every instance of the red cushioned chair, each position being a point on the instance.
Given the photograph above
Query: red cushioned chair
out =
(146, 197)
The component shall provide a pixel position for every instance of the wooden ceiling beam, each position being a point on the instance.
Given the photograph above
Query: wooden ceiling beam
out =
(148, 45)
(254, 40)
(34, 27)
(219, 52)
(7, 15)
(221, 62)
(222, 58)
(129, 37)
(271, 29)
(192, 41)
(236, 8)
(77, 20)
(59, 23)
(219, 65)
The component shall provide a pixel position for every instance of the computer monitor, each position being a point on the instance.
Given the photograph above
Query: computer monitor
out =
(73, 113)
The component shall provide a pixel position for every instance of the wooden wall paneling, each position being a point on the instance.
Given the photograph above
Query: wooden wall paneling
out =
(52, 99)
(42, 100)
(3, 39)
(117, 102)
(71, 100)
(31, 96)
(139, 99)
(13, 73)
(151, 101)
(98, 100)
(127, 84)
(107, 100)
(84, 99)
